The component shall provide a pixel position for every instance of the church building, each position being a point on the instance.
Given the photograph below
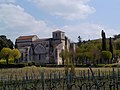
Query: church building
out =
(42, 51)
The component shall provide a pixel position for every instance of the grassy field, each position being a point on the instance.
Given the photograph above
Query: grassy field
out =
(36, 71)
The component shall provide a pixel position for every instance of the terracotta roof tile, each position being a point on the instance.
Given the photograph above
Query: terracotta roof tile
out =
(25, 37)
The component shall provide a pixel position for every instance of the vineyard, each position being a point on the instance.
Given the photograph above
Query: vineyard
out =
(33, 78)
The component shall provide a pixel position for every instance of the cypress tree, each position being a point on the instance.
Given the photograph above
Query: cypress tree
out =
(111, 46)
(103, 41)
(79, 40)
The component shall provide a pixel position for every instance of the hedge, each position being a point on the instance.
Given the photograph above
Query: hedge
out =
(12, 65)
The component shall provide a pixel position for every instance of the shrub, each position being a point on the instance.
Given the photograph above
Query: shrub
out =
(112, 65)
(2, 61)
(85, 65)
(49, 65)
(30, 64)
(12, 65)
(11, 61)
(99, 65)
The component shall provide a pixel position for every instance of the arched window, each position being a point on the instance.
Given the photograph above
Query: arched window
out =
(40, 49)
(40, 52)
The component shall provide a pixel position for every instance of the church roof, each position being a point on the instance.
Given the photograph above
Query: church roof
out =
(25, 37)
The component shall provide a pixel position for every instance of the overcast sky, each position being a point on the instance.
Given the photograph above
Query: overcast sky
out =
(75, 17)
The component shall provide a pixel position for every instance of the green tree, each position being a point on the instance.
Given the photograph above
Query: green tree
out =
(103, 40)
(15, 53)
(117, 44)
(111, 46)
(89, 52)
(5, 54)
(116, 55)
(95, 54)
(65, 55)
(80, 54)
(106, 56)
(4, 42)
(116, 36)
(68, 62)
(79, 40)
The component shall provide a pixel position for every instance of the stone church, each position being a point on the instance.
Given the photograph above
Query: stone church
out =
(42, 51)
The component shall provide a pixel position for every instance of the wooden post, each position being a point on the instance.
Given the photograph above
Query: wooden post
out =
(114, 76)
(69, 81)
(118, 78)
(88, 75)
(43, 81)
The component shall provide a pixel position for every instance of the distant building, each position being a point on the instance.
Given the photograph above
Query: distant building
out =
(42, 51)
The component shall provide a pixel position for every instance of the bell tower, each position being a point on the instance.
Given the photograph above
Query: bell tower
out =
(58, 35)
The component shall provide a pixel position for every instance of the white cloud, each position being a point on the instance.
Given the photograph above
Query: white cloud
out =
(7, 1)
(15, 21)
(68, 9)
(88, 31)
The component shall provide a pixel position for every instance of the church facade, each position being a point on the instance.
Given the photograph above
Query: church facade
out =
(42, 51)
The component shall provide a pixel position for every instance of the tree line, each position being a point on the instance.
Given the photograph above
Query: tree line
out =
(99, 51)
